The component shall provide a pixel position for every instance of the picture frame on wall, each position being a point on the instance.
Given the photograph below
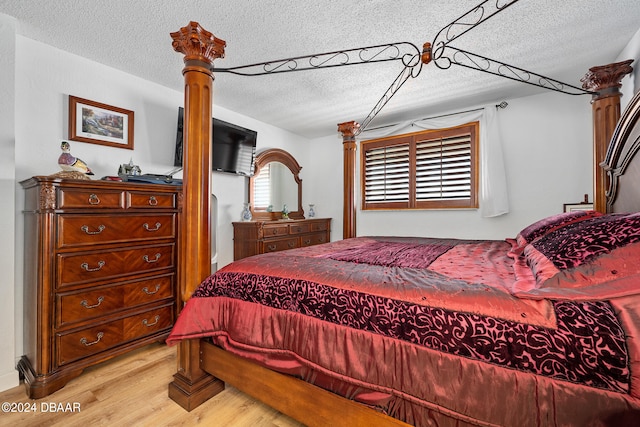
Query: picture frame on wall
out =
(585, 205)
(98, 123)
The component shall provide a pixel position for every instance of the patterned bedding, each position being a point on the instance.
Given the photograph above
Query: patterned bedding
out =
(415, 326)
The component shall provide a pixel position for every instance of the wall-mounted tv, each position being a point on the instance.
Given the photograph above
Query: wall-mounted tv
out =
(233, 147)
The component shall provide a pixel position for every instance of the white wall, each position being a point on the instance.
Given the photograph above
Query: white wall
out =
(631, 84)
(8, 333)
(547, 150)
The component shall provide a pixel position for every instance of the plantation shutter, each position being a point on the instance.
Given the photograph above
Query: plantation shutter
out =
(443, 169)
(432, 169)
(387, 174)
(261, 188)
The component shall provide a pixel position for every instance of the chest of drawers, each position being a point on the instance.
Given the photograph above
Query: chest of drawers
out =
(258, 237)
(100, 274)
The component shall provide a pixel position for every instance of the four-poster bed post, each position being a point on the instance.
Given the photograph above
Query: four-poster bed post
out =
(191, 385)
(605, 81)
(349, 130)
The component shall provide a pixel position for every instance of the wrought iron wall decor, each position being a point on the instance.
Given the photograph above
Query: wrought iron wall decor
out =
(440, 52)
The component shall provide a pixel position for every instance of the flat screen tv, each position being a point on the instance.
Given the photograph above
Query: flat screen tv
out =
(233, 147)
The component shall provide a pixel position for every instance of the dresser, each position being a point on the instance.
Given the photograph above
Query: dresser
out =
(100, 274)
(258, 237)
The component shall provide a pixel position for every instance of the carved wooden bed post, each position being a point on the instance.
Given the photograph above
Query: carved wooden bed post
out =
(348, 130)
(191, 385)
(605, 80)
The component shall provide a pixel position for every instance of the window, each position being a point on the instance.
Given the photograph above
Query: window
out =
(435, 169)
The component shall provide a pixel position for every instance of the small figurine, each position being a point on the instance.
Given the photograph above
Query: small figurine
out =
(70, 163)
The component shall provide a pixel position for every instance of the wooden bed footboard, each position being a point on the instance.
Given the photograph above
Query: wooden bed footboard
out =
(300, 400)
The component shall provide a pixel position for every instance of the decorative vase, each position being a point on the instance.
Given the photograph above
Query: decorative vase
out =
(246, 212)
(312, 211)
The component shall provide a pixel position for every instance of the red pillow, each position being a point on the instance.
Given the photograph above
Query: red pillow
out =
(549, 224)
(592, 251)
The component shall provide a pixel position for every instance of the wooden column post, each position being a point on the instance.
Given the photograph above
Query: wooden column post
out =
(191, 385)
(348, 130)
(605, 80)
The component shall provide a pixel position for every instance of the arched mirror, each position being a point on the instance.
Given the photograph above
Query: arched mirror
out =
(275, 184)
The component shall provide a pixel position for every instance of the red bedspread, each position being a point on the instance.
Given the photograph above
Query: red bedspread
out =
(401, 323)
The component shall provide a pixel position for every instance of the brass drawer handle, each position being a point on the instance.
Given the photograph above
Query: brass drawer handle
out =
(146, 227)
(85, 304)
(321, 239)
(274, 231)
(298, 229)
(85, 266)
(148, 292)
(151, 261)
(86, 343)
(272, 247)
(307, 242)
(291, 244)
(85, 228)
(153, 201)
(146, 323)
(94, 199)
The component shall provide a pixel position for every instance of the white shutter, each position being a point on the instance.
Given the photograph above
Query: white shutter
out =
(443, 169)
(387, 174)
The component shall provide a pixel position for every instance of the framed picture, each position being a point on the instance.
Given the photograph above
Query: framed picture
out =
(97, 123)
(585, 205)
(570, 207)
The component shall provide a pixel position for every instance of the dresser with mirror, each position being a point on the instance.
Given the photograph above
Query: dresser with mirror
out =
(275, 199)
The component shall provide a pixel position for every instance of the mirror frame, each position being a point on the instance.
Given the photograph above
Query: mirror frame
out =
(264, 158)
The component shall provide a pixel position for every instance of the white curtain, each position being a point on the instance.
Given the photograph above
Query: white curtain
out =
(494, 200)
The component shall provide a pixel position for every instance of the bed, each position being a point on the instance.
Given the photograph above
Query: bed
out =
(539, 329)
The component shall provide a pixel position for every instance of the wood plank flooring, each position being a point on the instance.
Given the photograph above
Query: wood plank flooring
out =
(131, 390)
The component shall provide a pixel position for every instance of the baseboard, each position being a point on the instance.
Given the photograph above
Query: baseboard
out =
(9, 380)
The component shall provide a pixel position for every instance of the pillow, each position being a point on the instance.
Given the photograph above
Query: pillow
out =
(549, 224)
(588, 252)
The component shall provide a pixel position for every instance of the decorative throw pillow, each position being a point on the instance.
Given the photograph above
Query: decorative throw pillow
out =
(549, 224)
(602, 248)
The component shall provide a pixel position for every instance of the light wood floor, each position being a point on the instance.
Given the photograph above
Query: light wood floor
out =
(112, 394)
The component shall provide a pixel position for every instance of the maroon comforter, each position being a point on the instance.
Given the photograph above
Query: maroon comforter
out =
(422, 329)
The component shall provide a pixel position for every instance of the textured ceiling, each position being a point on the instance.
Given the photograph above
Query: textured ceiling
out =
(560, 39)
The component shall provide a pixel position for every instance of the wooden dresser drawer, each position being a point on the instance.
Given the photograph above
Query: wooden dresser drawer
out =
(86, 342)
(148, 323)
(76, 268)
(314, 239)
(76, 345)
(319, 226)
(79, 230)
(275, 230)
(151, 200)
(78, 306)
(74, 198)
(299, 228)
(275, 245)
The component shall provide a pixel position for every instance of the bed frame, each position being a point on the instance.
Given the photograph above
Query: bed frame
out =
(204, 368)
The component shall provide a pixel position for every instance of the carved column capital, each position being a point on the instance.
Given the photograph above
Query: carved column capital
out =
(198, 44)
(605, 79)
(348, 130)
